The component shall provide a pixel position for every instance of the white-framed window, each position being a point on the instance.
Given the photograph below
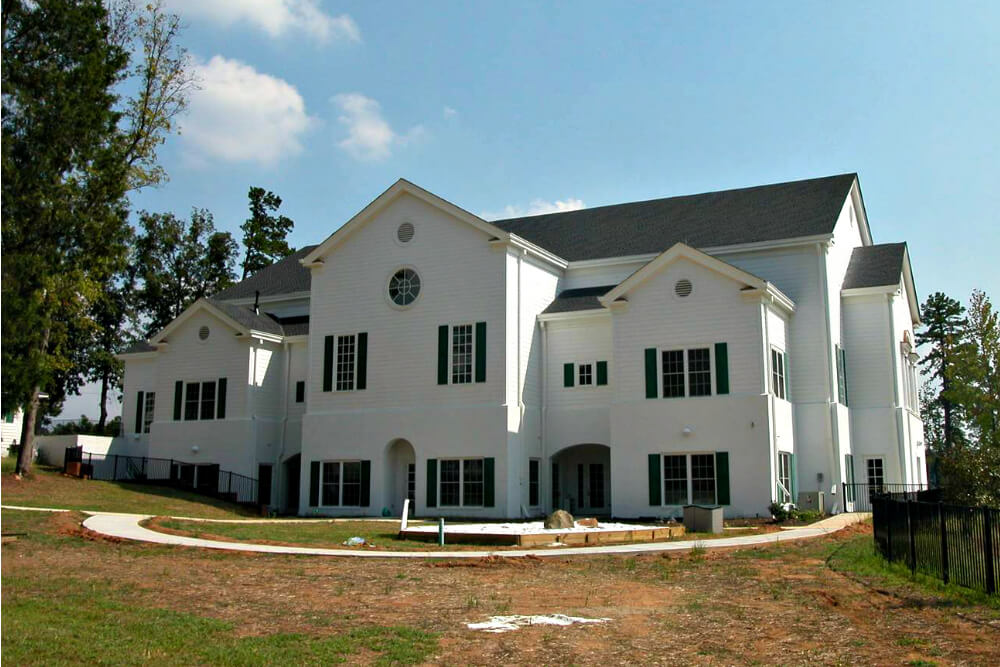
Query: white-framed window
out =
(534, 478)
(199, 400)
(586, 373)
(911, 388)
(687, 372)
(875, 470)
(461, 482)
(779, 383)
(785, 477)
(340, 483)
(347, 359)
(841, 375)
(462, 349)
(689, 478)
(148, 409)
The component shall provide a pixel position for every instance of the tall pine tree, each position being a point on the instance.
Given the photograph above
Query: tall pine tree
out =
(944, 332)
(264, 232)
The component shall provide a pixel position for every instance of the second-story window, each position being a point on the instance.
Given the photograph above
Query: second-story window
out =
(345, 362)
(586, 374)
(841, 375)
(778, 382)
(149, 408)
(199, 401)
(461, 354)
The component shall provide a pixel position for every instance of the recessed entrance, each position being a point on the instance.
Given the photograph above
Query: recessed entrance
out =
(400, 475)
(581, 480)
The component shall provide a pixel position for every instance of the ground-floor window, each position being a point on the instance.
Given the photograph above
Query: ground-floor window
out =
(876, 473)
(461, 482)
(340, 484)
(534, 466)
(785, 477)
(689, 479)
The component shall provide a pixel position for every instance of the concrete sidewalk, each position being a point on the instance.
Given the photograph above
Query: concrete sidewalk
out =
(126, 526)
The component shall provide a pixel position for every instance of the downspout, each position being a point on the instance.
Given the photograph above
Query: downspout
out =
(896, 412)
(545, 410)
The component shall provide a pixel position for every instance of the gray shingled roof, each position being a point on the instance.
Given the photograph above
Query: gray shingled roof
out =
(251, 320)
(138, 347)
(746, 215)
(875, 266)
(580, 298)
(285, 276)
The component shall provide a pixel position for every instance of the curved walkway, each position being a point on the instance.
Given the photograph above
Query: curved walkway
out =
(126, 526)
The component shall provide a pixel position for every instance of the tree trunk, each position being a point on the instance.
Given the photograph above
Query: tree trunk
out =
(27, 453)
(104, 403)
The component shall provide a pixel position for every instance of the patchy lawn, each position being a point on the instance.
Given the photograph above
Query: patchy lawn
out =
(68, 599)
(48, 487)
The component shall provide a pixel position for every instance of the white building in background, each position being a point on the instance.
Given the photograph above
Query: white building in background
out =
(10, 429)
(737, 347)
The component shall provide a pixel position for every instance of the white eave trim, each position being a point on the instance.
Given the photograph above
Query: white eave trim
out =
(870, 291)
(574, 315)
(128, 356)
(772, 295)
(263, 335)
(249, 300)
(514, 241)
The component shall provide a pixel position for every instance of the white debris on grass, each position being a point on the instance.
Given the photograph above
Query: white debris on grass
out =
(526, 528)
(509, 623)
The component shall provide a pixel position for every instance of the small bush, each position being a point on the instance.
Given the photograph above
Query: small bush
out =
(805, 516)
(779, 512)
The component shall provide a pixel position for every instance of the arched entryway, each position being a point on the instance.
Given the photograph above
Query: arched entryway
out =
(581, 479)
(400, 475)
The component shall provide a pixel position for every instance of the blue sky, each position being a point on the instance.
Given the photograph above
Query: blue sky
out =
(509, 108)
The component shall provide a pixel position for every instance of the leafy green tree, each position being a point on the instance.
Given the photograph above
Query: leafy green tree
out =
(264, 232)
(177, 263)
(63, 185)
(944, 332)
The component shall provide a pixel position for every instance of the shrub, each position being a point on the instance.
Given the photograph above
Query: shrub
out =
(779, 512)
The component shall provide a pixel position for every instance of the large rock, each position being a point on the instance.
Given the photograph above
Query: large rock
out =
(559, 519)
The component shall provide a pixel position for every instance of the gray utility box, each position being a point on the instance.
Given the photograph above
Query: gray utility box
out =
(812, 500)
(703, 518)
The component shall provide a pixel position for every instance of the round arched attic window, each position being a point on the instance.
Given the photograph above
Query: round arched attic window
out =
(404, 287)
(405, 232)
(683, 288)
(204, 332)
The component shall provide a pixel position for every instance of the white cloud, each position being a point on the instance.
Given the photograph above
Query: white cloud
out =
(369, 136)
(536, 207)
(242, 115)
(449, 112)
(277, 18)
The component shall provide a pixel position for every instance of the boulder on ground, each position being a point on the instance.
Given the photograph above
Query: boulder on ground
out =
(589, 522)
(559, 519)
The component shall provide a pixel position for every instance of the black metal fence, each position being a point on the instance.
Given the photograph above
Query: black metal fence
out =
(859, 496)
(204, 478)
(954, 543)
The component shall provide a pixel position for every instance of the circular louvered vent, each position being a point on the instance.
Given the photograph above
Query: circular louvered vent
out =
(203, 333)
(683, 288)
(405, 232)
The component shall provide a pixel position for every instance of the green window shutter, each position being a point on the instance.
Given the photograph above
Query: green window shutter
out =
(432, 478)
(655, 487)
(138, 412)
(721, 368)
(178, 399)
(442, 356)
(314, 484)
(366, 482)
(567, 375)
(722, 478)
(602, 372)
(480, 351)
(328, 363)
(488, 482)
(362, 372)
(651, 384)
(795, 478)
(220, 405)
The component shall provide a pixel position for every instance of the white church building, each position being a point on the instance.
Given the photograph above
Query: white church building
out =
(735, 348)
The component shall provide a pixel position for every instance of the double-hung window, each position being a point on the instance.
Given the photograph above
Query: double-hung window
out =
(461, 483)
(785, 477)
(534, 473)
(779, 384)
(687, 372)
(341, 484)
(586, 374)
(841, 355)
(461, 354)
(346, 362)
(148, 408)
(199, 400)
(689, 479)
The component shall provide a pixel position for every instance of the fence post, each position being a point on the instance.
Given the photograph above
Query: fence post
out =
(944, 543)
(911, 530)
(889, 516)
(988, 551)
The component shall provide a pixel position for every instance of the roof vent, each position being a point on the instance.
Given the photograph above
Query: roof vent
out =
(683, 287)
(203, 333)
(405, 232)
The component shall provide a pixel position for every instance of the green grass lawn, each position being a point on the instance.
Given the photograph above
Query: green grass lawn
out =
(47, 487)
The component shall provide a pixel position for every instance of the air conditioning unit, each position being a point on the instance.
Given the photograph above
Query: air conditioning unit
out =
(812, 500)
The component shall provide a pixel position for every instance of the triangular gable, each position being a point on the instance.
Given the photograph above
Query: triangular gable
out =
(196, 307)
(683, 251)
(403, 186)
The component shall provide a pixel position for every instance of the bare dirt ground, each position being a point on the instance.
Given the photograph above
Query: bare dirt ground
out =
(768, 605)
